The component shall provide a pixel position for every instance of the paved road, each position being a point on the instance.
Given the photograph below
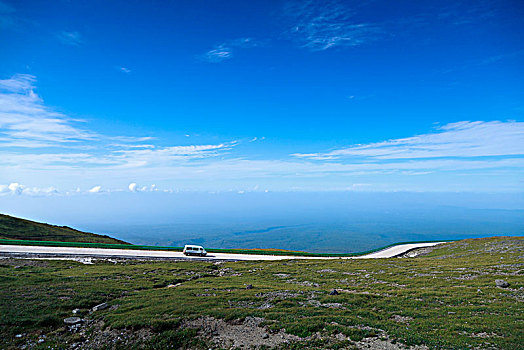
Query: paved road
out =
(42, 251)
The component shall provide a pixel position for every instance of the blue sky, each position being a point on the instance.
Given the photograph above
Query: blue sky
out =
(99, 97)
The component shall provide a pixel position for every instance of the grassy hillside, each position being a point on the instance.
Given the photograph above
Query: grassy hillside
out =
(16, 228)
(446, 299)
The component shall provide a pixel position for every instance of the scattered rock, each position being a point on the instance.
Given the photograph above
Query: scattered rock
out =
(401, 319)
(265, 336)
(340, 337)
(501, 284)
(387, 344)
(102, 337)
(249, 286)
(241, 304)
(281, 275)
(101, 307)
(72, 320)
(334, 292)
(303, 283)
(326, 270)
(333, 305)
(484, 335)
(281, 294)
(228, 272)
(265, 306)
(75, 311)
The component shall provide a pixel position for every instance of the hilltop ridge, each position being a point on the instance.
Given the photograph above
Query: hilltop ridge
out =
(16, 228)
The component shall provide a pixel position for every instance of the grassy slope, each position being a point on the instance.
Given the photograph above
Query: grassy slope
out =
(448, 298)
(16, 228)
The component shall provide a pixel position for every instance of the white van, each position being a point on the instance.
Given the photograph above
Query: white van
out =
(194, 250)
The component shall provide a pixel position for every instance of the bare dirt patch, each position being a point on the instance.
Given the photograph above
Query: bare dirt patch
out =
(246, 334)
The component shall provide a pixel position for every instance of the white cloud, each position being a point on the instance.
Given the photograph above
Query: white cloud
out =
(61, 154)
(218, 54)
(273, 174)
(224, 51)
(124, 69)
(131, 138)
(26, 122)
(461, 139)
(133, 187)
(71, 38)
(15, 188)
(166, 155)
(19, 83)
(36, 191)
(323, 25)
(121, 158)
(95, 189)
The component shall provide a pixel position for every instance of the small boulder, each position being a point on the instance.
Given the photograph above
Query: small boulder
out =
(334, 292)
(249, 286)
(502, 283)
(72, 320)
(265, 336)
(101, 307)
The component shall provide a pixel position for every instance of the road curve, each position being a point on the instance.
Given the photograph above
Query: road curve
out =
(43, 251)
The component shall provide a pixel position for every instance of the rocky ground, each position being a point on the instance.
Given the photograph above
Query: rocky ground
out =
(249, 333)
(467, 294)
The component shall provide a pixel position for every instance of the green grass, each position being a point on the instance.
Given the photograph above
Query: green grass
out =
(447, 299)
(20, 229)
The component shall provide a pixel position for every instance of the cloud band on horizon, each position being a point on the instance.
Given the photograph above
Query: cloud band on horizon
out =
(43, 151)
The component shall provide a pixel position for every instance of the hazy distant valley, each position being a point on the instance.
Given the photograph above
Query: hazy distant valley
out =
(358, 231)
